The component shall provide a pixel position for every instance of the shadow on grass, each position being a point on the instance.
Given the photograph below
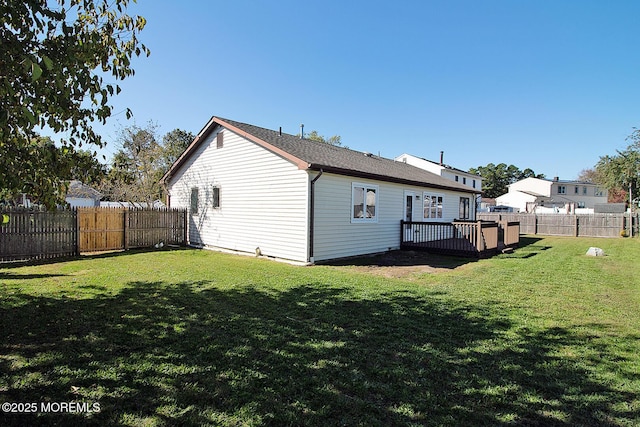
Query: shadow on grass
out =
(11, 276)
(527, 248)
(190, 354)
(399, 258)
(5, 265)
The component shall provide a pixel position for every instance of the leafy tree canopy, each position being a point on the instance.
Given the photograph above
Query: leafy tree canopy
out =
(622, 171)
(497, 178)
(174, 143)
(51, 169)
(55, 58)
(332, 140)
(141, 161)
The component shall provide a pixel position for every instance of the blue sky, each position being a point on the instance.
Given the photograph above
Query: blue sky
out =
(546, 85)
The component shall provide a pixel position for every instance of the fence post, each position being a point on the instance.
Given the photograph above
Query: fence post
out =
(185, 228)
(125, 227)
(535, 223)
(576, 226)
(77, 231)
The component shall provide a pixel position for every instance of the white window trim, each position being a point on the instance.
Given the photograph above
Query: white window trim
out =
(366, 187)
(429, 194)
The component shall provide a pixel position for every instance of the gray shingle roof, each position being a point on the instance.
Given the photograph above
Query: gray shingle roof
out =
(321, 156)
(81, 191)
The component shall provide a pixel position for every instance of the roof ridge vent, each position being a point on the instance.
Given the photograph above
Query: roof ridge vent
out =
(368, 154)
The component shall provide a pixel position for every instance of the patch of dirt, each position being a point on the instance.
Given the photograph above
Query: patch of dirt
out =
(402, 264)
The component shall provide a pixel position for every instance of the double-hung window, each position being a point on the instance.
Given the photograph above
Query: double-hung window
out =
(464, 208)
(364, 202)
(433, 205)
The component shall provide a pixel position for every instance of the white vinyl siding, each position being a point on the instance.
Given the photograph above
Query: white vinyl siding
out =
(264, 205)
(336, 236)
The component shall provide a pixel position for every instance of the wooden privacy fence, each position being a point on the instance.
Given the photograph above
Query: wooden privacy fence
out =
(101, 229)
(26, 235)
(593, 225)
(29, 235)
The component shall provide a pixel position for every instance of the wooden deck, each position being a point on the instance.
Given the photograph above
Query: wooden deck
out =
(473, 239)
(455, 246)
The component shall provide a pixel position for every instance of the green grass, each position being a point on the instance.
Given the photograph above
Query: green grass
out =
(541, 337)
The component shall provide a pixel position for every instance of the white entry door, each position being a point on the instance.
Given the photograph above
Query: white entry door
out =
(409, 214)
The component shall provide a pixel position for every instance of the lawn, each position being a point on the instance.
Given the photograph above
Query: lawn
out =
(542, 337)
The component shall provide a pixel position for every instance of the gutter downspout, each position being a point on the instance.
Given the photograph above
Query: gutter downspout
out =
(312, 215)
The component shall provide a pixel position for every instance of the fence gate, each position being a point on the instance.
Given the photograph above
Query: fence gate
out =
(101, 229)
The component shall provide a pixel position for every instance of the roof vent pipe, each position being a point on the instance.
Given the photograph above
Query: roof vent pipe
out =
(280, 131)
(301, 130)
(441, 158)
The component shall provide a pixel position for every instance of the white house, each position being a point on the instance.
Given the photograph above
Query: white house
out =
(534, 194)
(445, 171)
(255, 190)
(80, 195)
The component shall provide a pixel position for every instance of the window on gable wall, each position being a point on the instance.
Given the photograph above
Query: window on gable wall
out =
(194, 200)
(220, 140)
(364, 200)
(433, 205)
(215, 197)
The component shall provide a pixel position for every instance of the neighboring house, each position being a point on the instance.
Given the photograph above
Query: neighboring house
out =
(545, 195)
(486, 203)
(445, 171)
(80, 195)
(255, 190)
(156, 204)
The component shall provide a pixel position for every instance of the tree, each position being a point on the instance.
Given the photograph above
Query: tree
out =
(173, 145)
(141, 161)
(332, 140)
(497, 178)
(52, 167)
(622, 171)
(588, 175)
(55, 58)
(136, 167)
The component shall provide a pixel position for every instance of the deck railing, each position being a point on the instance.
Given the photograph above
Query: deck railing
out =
(465, 238)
